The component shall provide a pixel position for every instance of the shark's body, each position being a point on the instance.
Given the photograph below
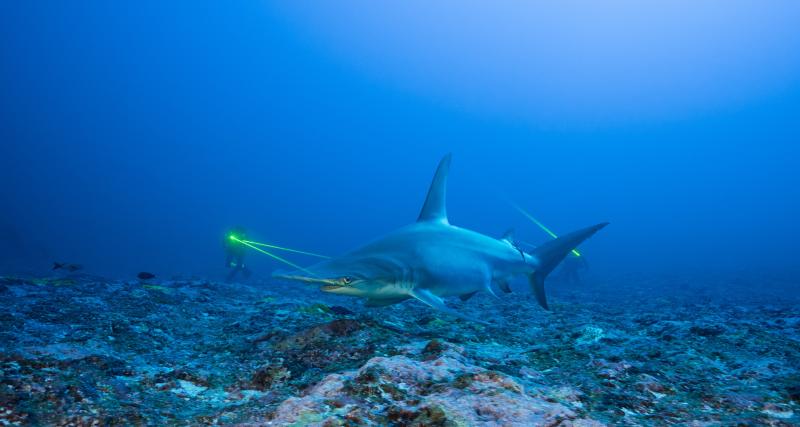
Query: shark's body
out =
(431, 259)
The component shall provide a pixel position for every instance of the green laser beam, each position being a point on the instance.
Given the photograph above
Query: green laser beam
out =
(542, 226)
(285, 261)
(285, 249)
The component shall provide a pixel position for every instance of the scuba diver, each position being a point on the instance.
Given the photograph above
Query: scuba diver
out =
(571, 269)
(234, 254)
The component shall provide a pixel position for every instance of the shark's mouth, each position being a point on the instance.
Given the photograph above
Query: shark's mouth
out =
(327, 284)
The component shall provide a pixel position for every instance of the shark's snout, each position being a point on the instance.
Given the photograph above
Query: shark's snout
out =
(305, 279)
(332, 285)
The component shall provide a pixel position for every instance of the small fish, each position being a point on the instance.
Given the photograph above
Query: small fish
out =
(145, 275)
(69, 267)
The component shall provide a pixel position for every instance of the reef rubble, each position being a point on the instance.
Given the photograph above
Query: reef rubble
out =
(79, 350)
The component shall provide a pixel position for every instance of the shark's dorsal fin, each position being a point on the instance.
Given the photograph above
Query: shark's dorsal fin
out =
(508, 236)
(435, 207)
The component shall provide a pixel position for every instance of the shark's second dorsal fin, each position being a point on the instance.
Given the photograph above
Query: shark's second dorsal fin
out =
(435, 207)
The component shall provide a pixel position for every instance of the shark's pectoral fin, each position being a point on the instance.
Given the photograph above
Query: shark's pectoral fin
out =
(467, 296)
(373, 302)
(504, 286)
(437, 303)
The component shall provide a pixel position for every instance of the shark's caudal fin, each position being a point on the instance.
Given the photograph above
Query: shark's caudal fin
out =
(435, 207)
(551, 253)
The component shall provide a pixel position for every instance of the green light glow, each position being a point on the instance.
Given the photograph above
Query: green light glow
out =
(285, 249)
(542, 226)
(285, 261)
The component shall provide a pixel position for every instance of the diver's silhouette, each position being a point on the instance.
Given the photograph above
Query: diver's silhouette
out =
(572, 267)
(234, 254)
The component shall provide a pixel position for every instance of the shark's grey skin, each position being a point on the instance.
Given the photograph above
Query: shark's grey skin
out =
(431, 259)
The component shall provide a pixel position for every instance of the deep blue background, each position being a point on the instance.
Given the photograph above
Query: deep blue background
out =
(134, 133)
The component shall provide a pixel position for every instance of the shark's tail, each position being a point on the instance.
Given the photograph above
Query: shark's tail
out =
(551, 253)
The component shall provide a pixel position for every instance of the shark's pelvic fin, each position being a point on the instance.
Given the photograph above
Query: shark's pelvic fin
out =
(551, 253)
(435, 208)
(504, 286)
(437, 303)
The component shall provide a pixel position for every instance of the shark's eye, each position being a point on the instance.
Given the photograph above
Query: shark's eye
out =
(346, 280)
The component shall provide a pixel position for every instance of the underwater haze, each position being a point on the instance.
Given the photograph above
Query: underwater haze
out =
(136, 135)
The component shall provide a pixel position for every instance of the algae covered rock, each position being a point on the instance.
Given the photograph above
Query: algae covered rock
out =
(195, 352)
(437, 392)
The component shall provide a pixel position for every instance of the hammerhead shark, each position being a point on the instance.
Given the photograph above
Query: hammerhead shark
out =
(431, 259)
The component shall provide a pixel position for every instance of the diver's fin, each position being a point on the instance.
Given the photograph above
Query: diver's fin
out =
(435, 208)
(504, 286)
(435, 302)
(551, 253)
(372, 302)
(467, 296)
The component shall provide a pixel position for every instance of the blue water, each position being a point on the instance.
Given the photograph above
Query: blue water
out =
(134, 135)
